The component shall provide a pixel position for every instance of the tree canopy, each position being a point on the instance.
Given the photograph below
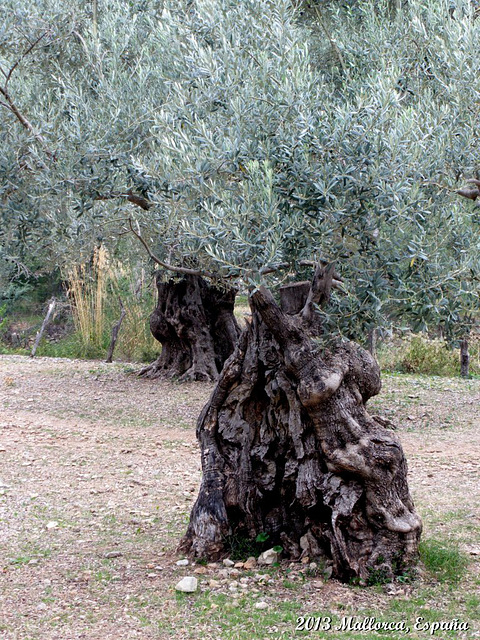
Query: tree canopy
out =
(242, 139)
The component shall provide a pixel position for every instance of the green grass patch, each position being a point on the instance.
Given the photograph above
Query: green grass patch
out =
(443, 560)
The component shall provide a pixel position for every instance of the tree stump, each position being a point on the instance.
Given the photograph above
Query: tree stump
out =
(195, 324)
(289, 450)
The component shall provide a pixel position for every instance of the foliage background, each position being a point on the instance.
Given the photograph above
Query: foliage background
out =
(259, 134)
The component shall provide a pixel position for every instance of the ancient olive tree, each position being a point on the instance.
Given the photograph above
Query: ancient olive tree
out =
(243, 147)
(335, 168)
(289, 449)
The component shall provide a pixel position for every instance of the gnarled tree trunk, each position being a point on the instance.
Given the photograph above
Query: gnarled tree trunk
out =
(289, 449)
(195, 324)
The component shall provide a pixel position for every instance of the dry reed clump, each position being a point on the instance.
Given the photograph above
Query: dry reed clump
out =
(97, 290)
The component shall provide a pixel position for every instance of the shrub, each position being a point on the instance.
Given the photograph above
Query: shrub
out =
(422, 355)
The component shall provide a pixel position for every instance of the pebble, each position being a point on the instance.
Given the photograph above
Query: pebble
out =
(213, 583)
(189, 584)
(268, 557)
(261, 605)
(182, 563)
(113, 554)
(251, 563)
(201, 570)
(327, 573)
(228, 563)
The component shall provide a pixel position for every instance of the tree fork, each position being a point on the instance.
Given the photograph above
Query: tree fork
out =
(289, 449)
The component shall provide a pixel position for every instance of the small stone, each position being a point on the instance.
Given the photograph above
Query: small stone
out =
(251, 563)
(228, 563)
(52, 524)
(268, 557)
(390, 589)
(182, 563)
(201, 570)
(312, 566)
(212, 565)
(224, 573)
(305, 560)
(189, 584)
(151, 575)
(261, 605)
(328, 571)
(113, 554)
(234, 572)
(213, 584)
(239, 565)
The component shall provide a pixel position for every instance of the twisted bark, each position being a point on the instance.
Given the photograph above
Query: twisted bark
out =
(195, 324)
(289, 449)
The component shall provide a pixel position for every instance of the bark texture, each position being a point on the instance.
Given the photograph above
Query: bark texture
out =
(289, 449)
(195, 324)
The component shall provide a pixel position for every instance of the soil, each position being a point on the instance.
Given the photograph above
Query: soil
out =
(99, 470)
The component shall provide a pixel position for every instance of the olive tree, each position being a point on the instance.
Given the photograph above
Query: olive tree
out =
(312, 162)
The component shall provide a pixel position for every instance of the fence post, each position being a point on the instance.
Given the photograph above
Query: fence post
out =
(464, 358)
(46, 320)
(115, 330)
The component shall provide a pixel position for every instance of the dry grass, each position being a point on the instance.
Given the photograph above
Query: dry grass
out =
(100, 470)
(87, 289)
(96, 290)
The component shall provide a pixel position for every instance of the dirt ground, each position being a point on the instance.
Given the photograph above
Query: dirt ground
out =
(98, 473)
